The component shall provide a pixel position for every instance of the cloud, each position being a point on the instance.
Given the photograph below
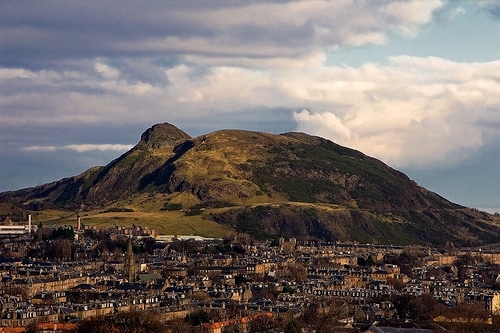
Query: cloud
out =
(58, 33)
(409, 111)
(183, 62)
(412, 112)
(491, 6)
(80, 148)
(97, 63)
(324, 124)
(39, 149)
(106, 71)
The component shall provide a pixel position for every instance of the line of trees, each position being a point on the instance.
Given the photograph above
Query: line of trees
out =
(123, 322)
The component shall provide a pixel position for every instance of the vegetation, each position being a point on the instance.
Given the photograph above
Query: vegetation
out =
(118, 210)
(292, 327)
(198, 318)
(172, 206)
(123, 322)
(63, 232)
(263, 185)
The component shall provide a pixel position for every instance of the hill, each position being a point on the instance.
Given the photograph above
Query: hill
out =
(263, 184)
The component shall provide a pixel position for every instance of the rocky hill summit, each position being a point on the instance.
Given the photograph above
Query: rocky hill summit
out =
(270, 185)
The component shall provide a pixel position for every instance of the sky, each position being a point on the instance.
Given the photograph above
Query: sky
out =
(414, 83)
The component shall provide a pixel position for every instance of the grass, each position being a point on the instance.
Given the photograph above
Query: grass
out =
(170, 222)
(144, 210)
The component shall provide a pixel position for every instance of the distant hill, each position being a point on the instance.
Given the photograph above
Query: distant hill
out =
(265, 185)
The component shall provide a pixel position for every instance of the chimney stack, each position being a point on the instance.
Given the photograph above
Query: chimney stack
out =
(29, 225)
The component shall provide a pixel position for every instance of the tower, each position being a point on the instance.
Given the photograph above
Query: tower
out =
(129, 267)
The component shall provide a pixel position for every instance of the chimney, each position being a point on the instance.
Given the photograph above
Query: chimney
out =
(78, 223)
(29, 225)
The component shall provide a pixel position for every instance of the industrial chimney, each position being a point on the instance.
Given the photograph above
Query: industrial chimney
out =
(29, 225)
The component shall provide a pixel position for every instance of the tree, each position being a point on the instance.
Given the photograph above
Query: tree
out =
(288, 289)
(406, 261)
(402, 305)
(39, 232)
(323, 314)
(366, 262)
(60, 249)
(178, 326)
(30, 328)
(199, 318)
(293, 327)
(149, 245)
(297, 271)
(423, 307)
(123, 322)
(66, 232)
(65, 249)
(261, 324)
(468, 318)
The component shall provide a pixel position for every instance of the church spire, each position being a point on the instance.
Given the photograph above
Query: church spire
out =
(129, 267)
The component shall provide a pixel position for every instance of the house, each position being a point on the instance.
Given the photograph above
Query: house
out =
(380, 329)
(18, 318)
(55, 327)
(11, 329)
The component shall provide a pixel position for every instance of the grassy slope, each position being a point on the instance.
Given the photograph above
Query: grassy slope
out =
(145, 211)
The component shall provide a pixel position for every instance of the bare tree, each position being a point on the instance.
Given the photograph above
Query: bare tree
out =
(323, 314)
(124, 322)
(468, 318)
(297, 271)
(261, 324)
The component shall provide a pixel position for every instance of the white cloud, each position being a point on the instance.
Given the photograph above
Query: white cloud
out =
(100, 147)
(39, 149)
(80, 148)
(106, 71)
(411, 15)
(414, 111)
(324, 124)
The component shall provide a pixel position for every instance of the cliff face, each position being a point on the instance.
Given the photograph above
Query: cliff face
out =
(304, 186)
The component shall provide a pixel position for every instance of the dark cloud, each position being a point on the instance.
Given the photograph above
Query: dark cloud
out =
(55, 30)
(494, 9)
(40, 33)
(143, 70)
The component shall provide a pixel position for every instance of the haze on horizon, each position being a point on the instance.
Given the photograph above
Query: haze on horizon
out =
(414, 83)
